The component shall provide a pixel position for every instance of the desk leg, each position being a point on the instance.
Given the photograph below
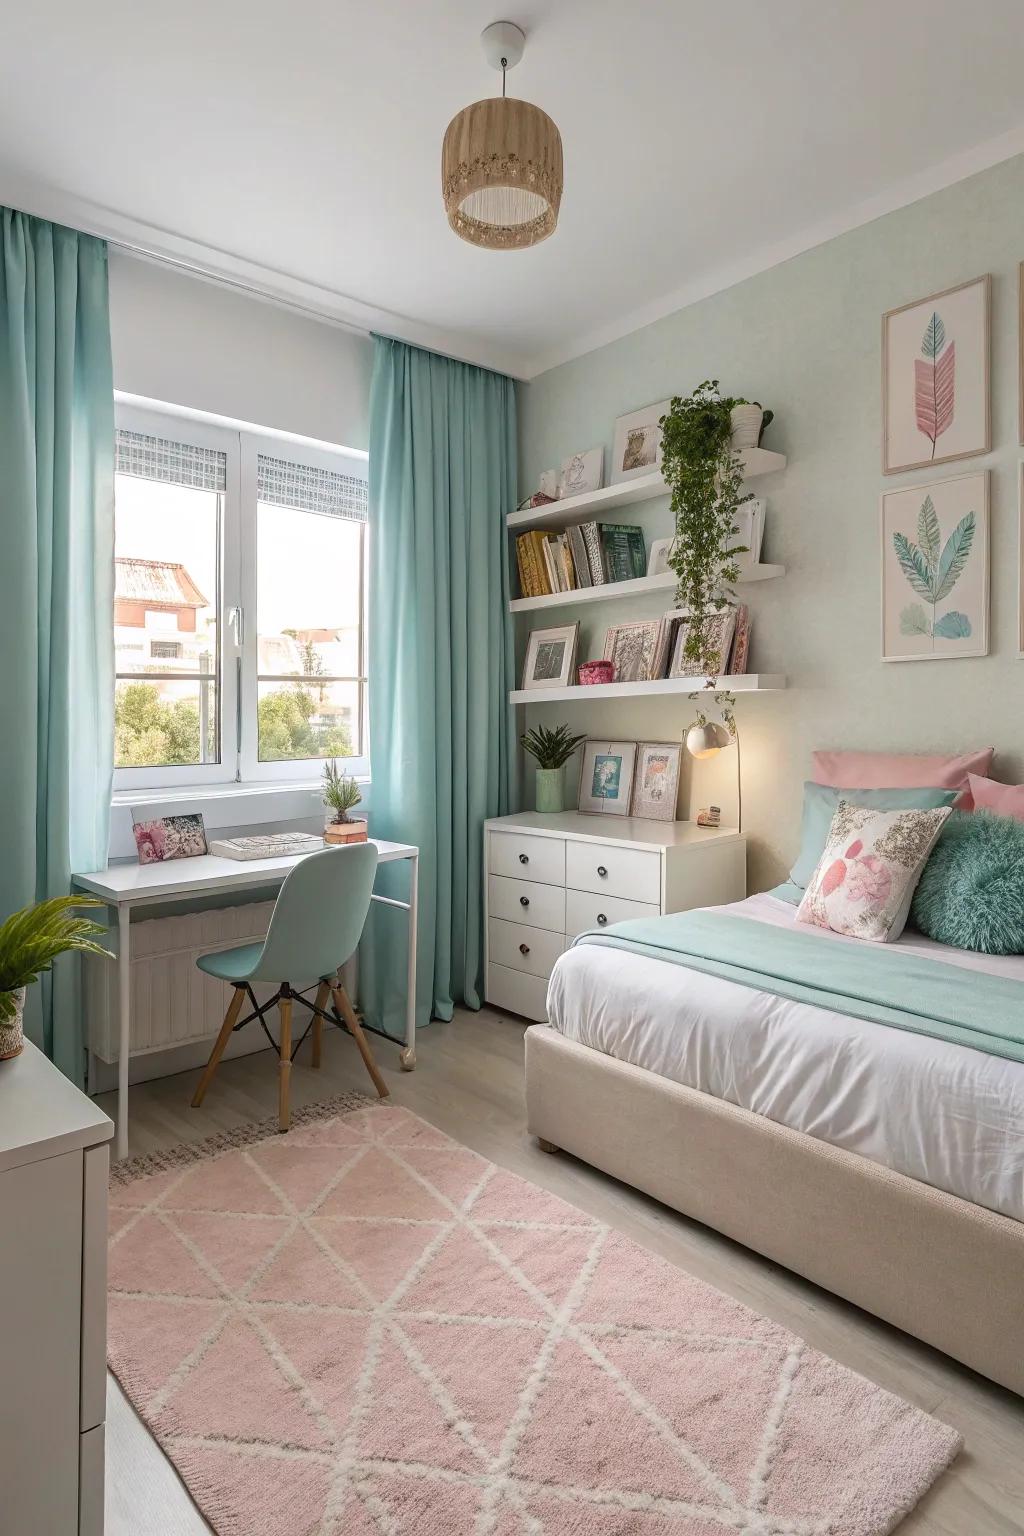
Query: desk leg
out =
(124, 1048)
(408, 1056)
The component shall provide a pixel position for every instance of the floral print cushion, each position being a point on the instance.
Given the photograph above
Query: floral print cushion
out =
(869, 870)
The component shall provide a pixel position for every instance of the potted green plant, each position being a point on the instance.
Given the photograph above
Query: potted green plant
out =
(552, 749)
(30, 941)
(705, 475)
(340, 794)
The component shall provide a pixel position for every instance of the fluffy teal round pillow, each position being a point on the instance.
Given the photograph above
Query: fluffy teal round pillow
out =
(971, 894)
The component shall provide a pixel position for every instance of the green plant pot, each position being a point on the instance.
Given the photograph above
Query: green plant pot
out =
(550, 796)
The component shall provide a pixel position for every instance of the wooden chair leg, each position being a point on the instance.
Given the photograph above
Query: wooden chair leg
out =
(323, 992)
(230, 1020)
(285, 1067)
(355, 1029)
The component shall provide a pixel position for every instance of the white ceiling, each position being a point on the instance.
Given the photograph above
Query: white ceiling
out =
(298, 145)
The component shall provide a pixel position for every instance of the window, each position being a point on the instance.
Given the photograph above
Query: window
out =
(239, 604)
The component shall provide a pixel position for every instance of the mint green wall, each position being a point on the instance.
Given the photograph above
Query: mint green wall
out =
(804, 338)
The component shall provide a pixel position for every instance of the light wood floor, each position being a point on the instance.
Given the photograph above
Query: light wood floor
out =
(469, 1082)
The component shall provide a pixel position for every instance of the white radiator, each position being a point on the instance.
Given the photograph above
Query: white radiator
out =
(172, 1002)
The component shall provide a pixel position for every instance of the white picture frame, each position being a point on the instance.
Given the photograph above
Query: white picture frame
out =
(658, 557)
(723, 628)
(750, 531)
(581, 474)
(633, 648)
(606, 778)
(936, 387)
(911, 570)
(637, 449)
(656, 780)
(550, 660)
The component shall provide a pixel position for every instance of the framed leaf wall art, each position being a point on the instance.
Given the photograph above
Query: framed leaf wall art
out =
(935, 581)
(935, 378)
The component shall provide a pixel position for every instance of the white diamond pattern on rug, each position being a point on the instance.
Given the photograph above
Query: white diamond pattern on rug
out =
(366, 1330)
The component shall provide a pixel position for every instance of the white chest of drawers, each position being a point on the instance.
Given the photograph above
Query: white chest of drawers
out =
(549, 878)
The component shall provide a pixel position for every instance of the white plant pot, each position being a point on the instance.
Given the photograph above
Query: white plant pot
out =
(745, 421)
(12, 1031)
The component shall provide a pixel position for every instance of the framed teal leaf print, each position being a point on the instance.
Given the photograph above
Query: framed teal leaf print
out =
(935, 575)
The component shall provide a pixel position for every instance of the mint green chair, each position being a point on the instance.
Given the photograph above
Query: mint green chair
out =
(314, 929)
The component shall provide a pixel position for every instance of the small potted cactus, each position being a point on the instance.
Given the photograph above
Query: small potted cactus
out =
(30, 941)
(552, 749)
(340, 794)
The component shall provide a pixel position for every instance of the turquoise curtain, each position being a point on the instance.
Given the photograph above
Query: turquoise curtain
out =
(56, 585)
(442, 758)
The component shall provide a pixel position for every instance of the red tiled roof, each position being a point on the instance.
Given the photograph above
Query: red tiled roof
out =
(156, 581)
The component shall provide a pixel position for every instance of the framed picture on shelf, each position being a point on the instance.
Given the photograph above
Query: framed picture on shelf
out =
(935, 570)
(657, 559)
(581, 473)
(656, 781)
(606, 778)
(551, 657)
(935, 378)
(750, 532)
(721, 627)
(633, 648)
(637, 448)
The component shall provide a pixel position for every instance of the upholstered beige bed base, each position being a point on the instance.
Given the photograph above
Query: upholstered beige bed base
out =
(946, 1271)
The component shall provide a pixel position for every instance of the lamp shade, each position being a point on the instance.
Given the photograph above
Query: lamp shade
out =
(707, 740)
(501, 174)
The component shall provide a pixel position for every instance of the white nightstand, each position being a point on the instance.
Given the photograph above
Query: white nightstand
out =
(551, 877)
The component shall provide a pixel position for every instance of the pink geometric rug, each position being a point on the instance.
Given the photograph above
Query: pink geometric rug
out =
(365, 1329)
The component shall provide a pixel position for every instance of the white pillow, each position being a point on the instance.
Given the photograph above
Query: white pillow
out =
(867, 875)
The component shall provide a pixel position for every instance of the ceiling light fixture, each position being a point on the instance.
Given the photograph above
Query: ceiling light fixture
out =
(501, 162)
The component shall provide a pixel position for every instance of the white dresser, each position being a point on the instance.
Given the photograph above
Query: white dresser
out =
(551, 877)
(53, 1301)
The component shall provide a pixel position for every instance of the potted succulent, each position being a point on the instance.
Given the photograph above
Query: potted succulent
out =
(340, 794)
(705, 475)
(552, 749)
(30, 941)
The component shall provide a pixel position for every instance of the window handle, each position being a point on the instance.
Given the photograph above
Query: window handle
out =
(236, 618)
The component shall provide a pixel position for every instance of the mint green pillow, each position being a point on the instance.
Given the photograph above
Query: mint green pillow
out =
(971, 894)
(820, 802)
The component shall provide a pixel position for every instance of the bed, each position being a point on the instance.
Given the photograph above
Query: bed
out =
(884, 1164)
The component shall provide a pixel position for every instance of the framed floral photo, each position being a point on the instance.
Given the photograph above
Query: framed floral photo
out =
(935, 378)
(606, 778)
(170, 837)
(637, 448)
(656, 781)
(935, 570)
(551, 657)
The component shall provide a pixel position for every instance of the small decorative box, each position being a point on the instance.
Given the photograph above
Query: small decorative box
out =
(592, 672)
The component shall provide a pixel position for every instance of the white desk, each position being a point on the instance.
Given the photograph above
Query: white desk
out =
(125, 886)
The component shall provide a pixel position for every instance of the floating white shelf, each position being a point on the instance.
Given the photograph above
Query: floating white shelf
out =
(636, 588)
(748, 682)
(582, 509)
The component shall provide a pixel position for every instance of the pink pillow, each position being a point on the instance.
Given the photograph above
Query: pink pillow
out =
(889, 770)
(1004, 799)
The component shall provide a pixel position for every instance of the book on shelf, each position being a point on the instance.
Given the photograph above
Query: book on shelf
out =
(578, 547)
(623, 551)
(592, 545)
(740, 642)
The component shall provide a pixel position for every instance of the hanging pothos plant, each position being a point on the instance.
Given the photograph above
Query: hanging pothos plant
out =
(705, 476)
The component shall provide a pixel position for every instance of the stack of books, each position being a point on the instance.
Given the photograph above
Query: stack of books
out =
(586, 556)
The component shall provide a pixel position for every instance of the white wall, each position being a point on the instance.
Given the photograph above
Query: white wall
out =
(180, 339)
(804, 338)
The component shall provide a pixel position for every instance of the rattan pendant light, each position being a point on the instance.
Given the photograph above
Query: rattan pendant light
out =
(501, 162)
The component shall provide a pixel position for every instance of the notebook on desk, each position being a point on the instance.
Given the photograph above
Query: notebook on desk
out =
(269, 845)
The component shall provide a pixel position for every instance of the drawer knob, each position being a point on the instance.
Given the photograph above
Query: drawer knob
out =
(524, 949)
(601, 919)
(524, 858)
(602, 871)
(524, 901)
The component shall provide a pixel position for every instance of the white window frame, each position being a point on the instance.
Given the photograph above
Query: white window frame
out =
(238, 692)
(306, 769)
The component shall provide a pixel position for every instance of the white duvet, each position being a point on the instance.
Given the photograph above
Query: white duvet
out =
(946, 1114)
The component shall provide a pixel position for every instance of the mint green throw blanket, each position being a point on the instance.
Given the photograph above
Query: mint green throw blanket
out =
(878, 982)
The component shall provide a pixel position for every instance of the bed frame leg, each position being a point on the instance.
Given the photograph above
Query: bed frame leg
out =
(546, 1146)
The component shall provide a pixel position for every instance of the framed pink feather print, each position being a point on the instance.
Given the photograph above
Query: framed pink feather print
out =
(935, 378)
